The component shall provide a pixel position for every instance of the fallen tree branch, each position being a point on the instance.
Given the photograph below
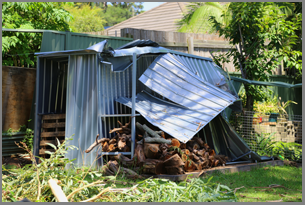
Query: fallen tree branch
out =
(97, 142)
(57, 191)
(238, 188)
(151, 132)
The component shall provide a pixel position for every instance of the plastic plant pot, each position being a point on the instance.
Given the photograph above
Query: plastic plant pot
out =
(273, 117)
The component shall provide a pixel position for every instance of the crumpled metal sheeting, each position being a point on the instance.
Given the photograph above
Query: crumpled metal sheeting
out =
(138, 51)
(203, 68)
(175, 120)
(139, 43)
(173, 81)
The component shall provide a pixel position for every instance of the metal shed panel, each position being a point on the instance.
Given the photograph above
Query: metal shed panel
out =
(59, 41)
(82, 105)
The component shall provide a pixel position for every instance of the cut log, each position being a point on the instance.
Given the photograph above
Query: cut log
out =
(175, 143)
(182, 146)
(199, 141)
(212, 152)
(132, 174)
(151, 132)
(166, 156)
(195, 158)
(97, 142)
(204, 164)
(139, 152)
(184, 157)
(163, 148)
(113, 166)
(198, 164)
(105, 147)
(174, 161)
(157, 140)
(190, 166)
(106, 171)
(152, 151)
(206, 146)
(206, 155)
(174, 170)
(121, 144)
(216, 161)
(192, 145)
(211, 161)
(150, 166)
(188, 153)
(112, 141)
(111, 148)
(140, 128)
(199, 152)
(222, 159)
(123, 160)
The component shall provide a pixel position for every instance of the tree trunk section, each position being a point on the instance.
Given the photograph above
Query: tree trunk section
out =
(174, 170)
(152, 151)
(139, 152)
(174, 161)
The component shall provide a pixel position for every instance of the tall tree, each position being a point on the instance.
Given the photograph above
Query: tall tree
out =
(249, 29)
(85, 18)
(18, 47)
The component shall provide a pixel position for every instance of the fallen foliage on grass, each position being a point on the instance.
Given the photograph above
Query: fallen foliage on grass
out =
(85, 184)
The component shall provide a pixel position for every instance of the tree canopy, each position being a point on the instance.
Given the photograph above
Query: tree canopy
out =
(261, 35)
(18, 47)
(115, 12)
(85, 18)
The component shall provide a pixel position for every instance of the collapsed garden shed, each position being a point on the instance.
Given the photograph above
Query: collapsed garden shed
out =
(84, 93)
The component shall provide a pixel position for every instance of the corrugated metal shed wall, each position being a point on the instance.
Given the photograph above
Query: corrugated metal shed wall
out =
(58, 41)
(91, 92)
(82, 105)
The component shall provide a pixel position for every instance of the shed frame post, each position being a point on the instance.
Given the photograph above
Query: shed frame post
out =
(37, 123)
(133, 111)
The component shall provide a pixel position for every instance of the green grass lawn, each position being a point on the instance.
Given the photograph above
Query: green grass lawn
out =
(289, 177)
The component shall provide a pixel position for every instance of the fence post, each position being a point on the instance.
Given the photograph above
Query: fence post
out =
(190, 45)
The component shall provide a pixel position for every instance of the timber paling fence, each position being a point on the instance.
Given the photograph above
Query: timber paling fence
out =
(257, 128)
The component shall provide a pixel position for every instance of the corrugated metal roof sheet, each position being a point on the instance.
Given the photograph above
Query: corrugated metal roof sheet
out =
(200, 99)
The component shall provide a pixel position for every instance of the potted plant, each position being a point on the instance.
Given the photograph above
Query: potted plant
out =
(264, 108)
(282, 108)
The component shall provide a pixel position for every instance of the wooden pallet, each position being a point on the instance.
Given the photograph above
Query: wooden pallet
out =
(53, 126)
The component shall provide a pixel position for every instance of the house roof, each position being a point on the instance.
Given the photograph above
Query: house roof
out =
(162, 18)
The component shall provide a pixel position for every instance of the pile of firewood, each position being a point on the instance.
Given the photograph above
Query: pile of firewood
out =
(157, 152)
